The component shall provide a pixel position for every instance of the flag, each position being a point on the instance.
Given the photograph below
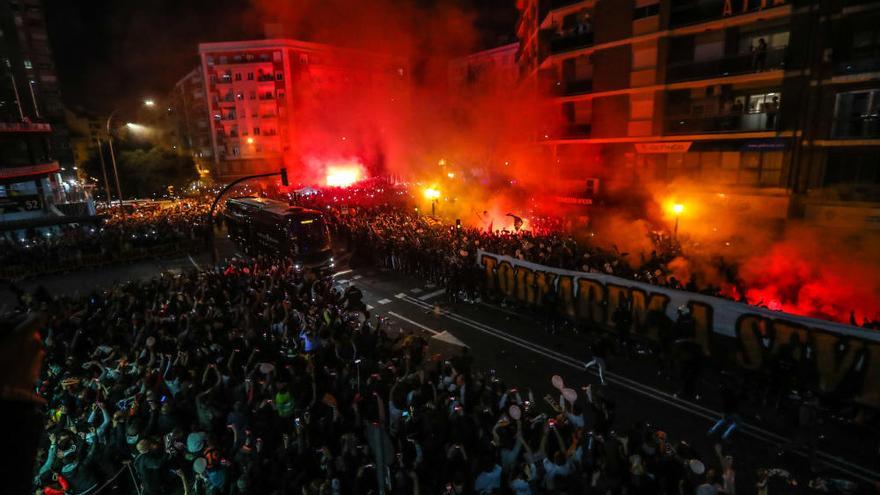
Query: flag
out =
(517, 221)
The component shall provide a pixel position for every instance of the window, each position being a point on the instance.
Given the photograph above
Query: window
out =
(763, 103)
(256, 131)
(238, 76)
(857, 114)
(252, 95)
(279, 76)
(250, 76)
(224, 59)
(28, 64)
(640, 12)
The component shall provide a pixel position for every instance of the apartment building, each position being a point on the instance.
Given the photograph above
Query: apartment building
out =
(31, 86)
(499, 63)
(757, 102)
(187, 127)
(262, 94)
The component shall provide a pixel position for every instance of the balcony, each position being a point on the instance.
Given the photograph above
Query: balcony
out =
(708, 124)
(858, 66)
(743, 63)
(861, 127)
(571, 88)
(267, 96)
(265, 78)
(711, 10)
(572, 131)
(567, 43)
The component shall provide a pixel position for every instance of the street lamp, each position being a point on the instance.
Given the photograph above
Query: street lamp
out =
(148, 103)
(432, 195)
(677, 208)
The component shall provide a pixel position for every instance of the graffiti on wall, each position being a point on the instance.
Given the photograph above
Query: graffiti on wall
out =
(844, 359)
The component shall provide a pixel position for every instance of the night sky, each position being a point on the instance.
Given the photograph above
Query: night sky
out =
(111, 52)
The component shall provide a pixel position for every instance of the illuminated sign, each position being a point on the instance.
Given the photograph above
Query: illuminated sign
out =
(675, 147)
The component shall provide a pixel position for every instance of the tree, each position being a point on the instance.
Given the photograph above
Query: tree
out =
(144, 172)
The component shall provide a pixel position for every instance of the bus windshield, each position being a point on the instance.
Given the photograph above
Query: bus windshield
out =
(311, 233)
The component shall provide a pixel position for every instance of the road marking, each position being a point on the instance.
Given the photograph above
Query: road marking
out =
(356, 277)
(191, 260)
(414, 323)
(343, 272)
(416, 290)
(400, 295)
(383, 301)
(369, 307)
(432, 294)
(864, 474)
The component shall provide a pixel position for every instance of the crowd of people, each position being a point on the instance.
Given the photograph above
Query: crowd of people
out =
(145, 231)
(258, 378)
(255, 378)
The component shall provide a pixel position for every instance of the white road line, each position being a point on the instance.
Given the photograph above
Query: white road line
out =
(191, 260)
(416, 290)
(414, 323)
(400, 295)
(758, 433)
(369, 307)
(383, 301)
(342, 272)
(431, 295)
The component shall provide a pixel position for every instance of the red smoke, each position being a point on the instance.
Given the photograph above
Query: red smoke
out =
(470, 143)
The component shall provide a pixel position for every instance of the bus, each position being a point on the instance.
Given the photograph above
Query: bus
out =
(261, 225)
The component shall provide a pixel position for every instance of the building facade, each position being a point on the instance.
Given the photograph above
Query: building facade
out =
(36, 191)
(31, 87)
(187, 125)
(759, 103)
(498, 63)
(258, 91)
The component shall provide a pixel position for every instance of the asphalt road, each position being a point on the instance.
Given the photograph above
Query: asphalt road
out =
(523, 353)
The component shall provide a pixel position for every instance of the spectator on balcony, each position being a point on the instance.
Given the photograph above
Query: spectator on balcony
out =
(759, 56)
(771, 109)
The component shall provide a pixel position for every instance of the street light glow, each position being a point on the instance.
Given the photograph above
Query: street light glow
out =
(431, 193)
(677, 208)
(250, 140)
(149, 102)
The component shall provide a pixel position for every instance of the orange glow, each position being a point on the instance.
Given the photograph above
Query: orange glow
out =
(677, 208)
(250, 140)
(344, 175)
(431, 193)
(451, 175)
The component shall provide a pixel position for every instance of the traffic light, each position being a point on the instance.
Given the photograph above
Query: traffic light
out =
(284, 180)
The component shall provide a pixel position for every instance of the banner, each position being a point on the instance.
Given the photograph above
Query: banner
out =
(836, 350)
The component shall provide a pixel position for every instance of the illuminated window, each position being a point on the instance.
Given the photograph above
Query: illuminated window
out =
(28, 65)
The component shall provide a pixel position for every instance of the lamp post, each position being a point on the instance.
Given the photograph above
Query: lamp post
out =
(147, 103)
(433, 195)
(677, 208)
(104, 171)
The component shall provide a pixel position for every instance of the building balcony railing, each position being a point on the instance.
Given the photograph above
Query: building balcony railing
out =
(265, 78)
(267, 96)
(572, 131)
(749, 122)
(734, 65)
(563, 43)
(713, 10)
(570, 88)
(862, 127)
(25, 127)
(858, 66)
